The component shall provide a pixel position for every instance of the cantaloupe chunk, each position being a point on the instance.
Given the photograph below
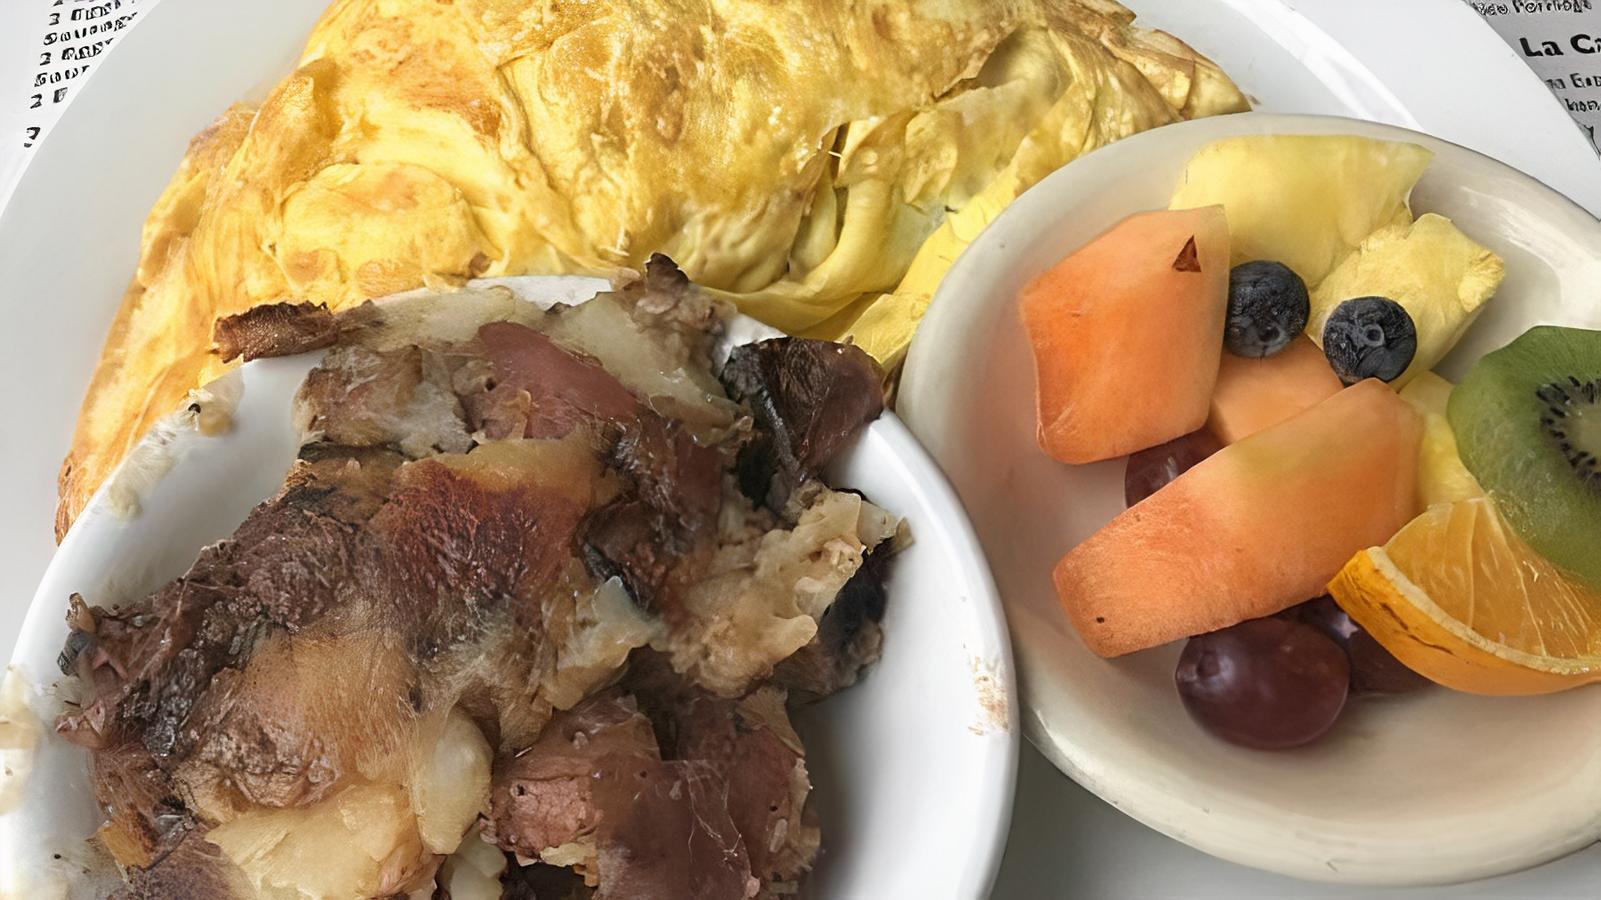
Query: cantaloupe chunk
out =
(1127, 332)
(1259, 526)
(1256, 393)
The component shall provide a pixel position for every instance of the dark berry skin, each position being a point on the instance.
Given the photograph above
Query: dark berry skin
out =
(1270, 684)
(1370, 337)
(1268, 307)
(1151, 469)
(1373, 669)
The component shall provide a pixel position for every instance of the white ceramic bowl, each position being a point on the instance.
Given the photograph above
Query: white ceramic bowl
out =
(1432, 787)
(914, 766)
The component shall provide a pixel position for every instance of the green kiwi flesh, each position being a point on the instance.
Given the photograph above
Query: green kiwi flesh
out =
(1527, 420)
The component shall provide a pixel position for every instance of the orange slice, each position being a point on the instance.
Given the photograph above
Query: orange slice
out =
(1458, 597)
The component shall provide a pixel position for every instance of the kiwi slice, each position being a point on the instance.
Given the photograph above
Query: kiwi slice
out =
(1528, 426)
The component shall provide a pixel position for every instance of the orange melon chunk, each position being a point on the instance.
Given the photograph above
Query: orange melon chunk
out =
(1259, 526)
(1253, 394)
(1127, 333)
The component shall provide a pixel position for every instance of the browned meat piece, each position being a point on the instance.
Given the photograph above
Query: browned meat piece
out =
(541, 390)
(752, 747)
(193, 870)
(542, 798)
(151, 663)
(665, 833)
(253, 740)
(655, 533)
(728, 802)
(672, 474)
(810, 399)
(146, 667)
(626, 540)
(277, 329)
(373, 398)
(144, 815)
(496, 526)
(536, 388)
(283, 567)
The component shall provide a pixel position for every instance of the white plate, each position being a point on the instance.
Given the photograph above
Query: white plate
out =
(69, 237)
(69, 241)
(916, 759)
(1431, 787)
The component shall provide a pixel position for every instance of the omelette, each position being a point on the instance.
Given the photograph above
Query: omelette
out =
(819, 163)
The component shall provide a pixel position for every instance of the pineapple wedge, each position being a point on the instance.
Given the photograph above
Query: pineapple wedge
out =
(1442, 277)
(1304, 200)
(1441, 476)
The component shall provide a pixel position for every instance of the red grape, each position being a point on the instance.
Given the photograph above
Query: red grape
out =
(1373, 669)
(1271, 684)
(1151, 469)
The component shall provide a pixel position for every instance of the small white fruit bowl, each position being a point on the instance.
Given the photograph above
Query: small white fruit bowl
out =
(913, 766)
(1430, 787)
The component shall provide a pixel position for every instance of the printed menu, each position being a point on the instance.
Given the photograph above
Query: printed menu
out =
(1561, 41)
(48, 49)
(72, 36)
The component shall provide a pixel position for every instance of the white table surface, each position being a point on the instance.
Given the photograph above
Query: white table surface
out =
(1065, 842)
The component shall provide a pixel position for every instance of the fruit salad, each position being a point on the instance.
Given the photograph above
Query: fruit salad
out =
(1314, 510)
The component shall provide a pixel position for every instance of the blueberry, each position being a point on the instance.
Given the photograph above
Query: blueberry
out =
(1370, 337)
(1268, 307)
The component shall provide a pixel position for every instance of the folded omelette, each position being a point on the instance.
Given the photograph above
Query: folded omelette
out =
(821, 163)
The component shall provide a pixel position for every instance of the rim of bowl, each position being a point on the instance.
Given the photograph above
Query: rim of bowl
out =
(1161, 811)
